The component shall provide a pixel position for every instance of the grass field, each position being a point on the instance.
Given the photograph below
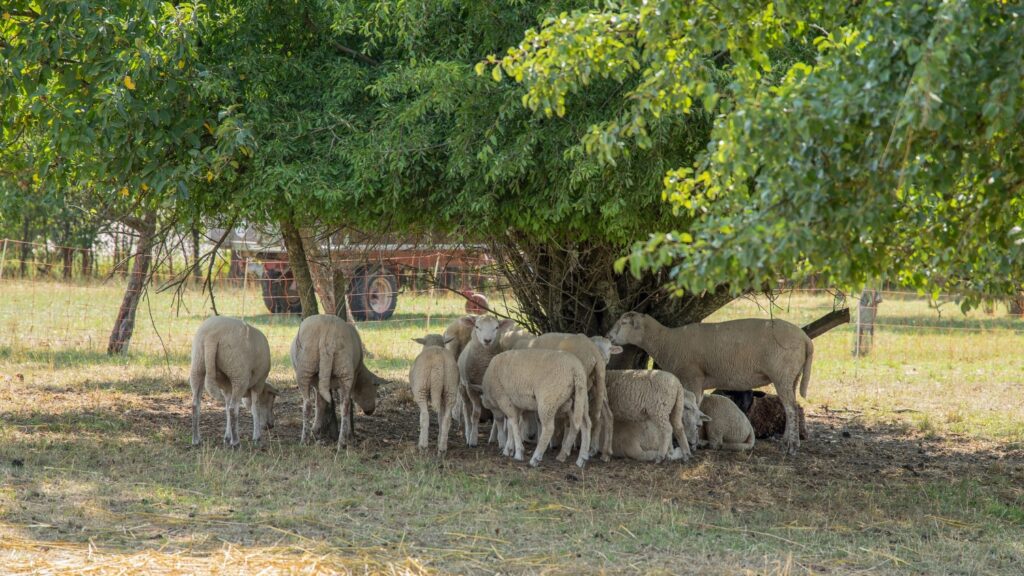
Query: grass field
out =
(915, 461)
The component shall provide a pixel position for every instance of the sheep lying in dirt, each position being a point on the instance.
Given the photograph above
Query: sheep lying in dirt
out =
(594, 354)
(231, 360)
(727, 427)
(768, 416)
(735, 355)
(473, 361)
(656, 396)
(327, 355)
(544, 381)
(434, 378)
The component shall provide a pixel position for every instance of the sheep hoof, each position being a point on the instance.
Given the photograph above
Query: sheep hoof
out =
(534, 462)
(606, 457)
(581, 462)
(561, 457)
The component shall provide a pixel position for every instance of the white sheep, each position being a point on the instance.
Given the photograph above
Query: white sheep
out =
(231, 360)
(473, 361)
(736, 355)
(458, 334)
(544, 381)
(327, 355)
(434, 379)
(658, 397)
(728, 428)
(594, 354)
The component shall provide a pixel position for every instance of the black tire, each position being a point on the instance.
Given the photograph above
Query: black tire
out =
(276, 296)
(373, 294)
(269, 284)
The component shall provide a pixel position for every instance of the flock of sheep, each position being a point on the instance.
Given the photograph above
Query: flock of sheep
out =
(553, 390)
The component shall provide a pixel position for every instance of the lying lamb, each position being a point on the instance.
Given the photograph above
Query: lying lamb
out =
(735, 355)
(327, 355)
(434, 378)
(594, 353)
(231, 360)
(727, 427)
(656, 396)
(544, 381)
(473, 362)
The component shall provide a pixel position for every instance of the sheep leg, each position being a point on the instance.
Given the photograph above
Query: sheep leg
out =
(466, 407)
(665, 434)
(197, 393)
(474, 419)
(257, 420)
(547, 429)
(305, 417)
(585, 435)
(787, 395)
(445, 425)
(345, 422)
(424, 425)
(512, 421)
(568, 438)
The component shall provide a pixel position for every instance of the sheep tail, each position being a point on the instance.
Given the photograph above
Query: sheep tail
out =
(805, 379)
(210, 356)
(326, 370)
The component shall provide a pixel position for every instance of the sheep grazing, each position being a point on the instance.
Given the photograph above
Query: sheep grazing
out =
(327, 355)
(727, 427)
(638, 396)
(735, 355)
(768, 416)
(594, 354)
(544, 381)
(434, 378)
(473, 361)
(231, 360)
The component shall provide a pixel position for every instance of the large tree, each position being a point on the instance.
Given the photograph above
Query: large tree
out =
(893, 152)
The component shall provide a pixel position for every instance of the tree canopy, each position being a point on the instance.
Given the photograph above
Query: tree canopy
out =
(893, 151)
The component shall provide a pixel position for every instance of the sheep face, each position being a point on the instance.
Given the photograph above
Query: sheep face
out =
(486, 329)
(606, 347)
(431, 340)
(693, 418)
(365, 394)
(629, 329)
(264, 408)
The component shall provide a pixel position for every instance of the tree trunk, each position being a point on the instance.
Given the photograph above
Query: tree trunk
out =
(300, 268)
(341, 308)
(573, 288)
(86, 263)
(67, 252)
(26, 248)
(197, 273)
(827, 322)
(124, 326)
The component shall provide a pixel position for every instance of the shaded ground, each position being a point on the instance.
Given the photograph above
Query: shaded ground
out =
(105, 462)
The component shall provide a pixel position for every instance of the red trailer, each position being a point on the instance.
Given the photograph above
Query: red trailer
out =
(376, 273)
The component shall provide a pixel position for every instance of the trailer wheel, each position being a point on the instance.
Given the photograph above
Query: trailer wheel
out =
(373, 294)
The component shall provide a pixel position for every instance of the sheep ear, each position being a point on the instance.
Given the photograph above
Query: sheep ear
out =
(704, 417)
(505, 324)
(420, 341)
(449, 340)
(468, 321)
(615, 350)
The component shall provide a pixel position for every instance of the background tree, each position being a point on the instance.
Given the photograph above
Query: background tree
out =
(894, 152)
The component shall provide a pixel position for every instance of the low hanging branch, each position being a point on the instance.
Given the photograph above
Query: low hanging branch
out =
(827, 322)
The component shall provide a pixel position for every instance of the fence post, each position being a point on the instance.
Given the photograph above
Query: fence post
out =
(866, 313)
(3, 260)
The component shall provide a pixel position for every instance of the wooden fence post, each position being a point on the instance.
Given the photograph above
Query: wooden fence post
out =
(3, 260)
(867, 310)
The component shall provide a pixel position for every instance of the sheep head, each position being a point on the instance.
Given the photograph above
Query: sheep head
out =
(629, 329)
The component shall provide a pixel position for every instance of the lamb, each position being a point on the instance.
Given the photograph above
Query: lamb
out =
(636, 396)
(458, 334)
(473, 361)
(594, 354)
(547, 382)
(231, 360)
(728, 428)
(434, 378)
(327, 355)
(735, 355)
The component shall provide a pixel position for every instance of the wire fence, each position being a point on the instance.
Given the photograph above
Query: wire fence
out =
(403, 293)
